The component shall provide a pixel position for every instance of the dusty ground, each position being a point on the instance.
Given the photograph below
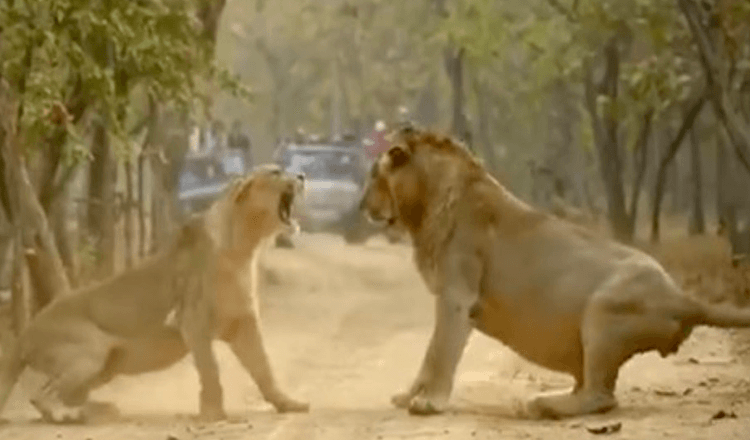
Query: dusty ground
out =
(347, 327)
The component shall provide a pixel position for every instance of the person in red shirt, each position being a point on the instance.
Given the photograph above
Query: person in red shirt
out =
(376, 142)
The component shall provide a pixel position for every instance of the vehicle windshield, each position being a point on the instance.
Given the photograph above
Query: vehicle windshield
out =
(323, 164)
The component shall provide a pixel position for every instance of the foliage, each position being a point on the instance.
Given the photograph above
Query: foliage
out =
(98, 51)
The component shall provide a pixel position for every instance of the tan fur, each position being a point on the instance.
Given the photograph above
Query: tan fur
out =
(558, 294)
(202, 288)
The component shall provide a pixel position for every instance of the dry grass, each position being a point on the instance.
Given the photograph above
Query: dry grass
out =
(703, 266)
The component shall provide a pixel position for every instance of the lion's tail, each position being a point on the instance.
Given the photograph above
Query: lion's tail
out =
(10, 369)
(723, 316)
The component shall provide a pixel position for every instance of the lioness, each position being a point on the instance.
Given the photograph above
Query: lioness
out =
(554, 292)
(200, 289)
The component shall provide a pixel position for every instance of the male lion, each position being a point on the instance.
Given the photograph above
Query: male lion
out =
(203, 287)
(552, 291)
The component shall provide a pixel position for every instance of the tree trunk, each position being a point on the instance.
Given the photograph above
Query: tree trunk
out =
(674, 146)
(606, 139)
(60, 216)
(101, 221)
(141, 206)
(26, 211)
(171, 140)
(20, 287)
(723, 183)
(673, 186)
(127, 211)
(640, 160)
(697, 223)
(484, 129)
(454, 66)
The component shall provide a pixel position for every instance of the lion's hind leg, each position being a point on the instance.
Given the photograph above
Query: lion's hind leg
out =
(609, 339)
(72, 375)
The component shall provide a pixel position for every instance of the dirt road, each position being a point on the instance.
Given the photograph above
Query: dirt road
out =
(346, 327)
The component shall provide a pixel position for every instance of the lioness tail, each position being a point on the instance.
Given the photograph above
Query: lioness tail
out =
(10, 369)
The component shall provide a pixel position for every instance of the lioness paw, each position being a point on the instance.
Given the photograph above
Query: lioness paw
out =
(536, 410)
(422, 406)
(291, 406)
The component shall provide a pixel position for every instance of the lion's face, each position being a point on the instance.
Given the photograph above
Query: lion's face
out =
(394, 192)
(264, 201)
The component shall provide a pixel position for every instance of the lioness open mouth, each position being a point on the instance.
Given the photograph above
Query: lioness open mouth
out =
(285, 207)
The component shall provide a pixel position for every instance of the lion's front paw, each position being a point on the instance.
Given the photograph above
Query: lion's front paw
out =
(289, 405)
(401, 400)
(59, 414)
(211, 414)
(423, 406)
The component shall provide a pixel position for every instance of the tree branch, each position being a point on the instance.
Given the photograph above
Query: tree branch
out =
(737, 130)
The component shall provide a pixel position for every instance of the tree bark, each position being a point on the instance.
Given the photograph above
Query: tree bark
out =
(674, 146)
(697, 223)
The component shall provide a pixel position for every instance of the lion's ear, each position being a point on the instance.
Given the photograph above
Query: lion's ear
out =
(398, 156)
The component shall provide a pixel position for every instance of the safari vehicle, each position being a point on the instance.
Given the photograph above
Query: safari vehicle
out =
(334, 177)
(203, 177)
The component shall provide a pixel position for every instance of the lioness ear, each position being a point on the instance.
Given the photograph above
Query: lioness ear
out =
(243, 192)
(188, 234)
(398, 156)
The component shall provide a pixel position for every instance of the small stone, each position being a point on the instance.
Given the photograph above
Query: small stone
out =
(721, 414)
(606, 429)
